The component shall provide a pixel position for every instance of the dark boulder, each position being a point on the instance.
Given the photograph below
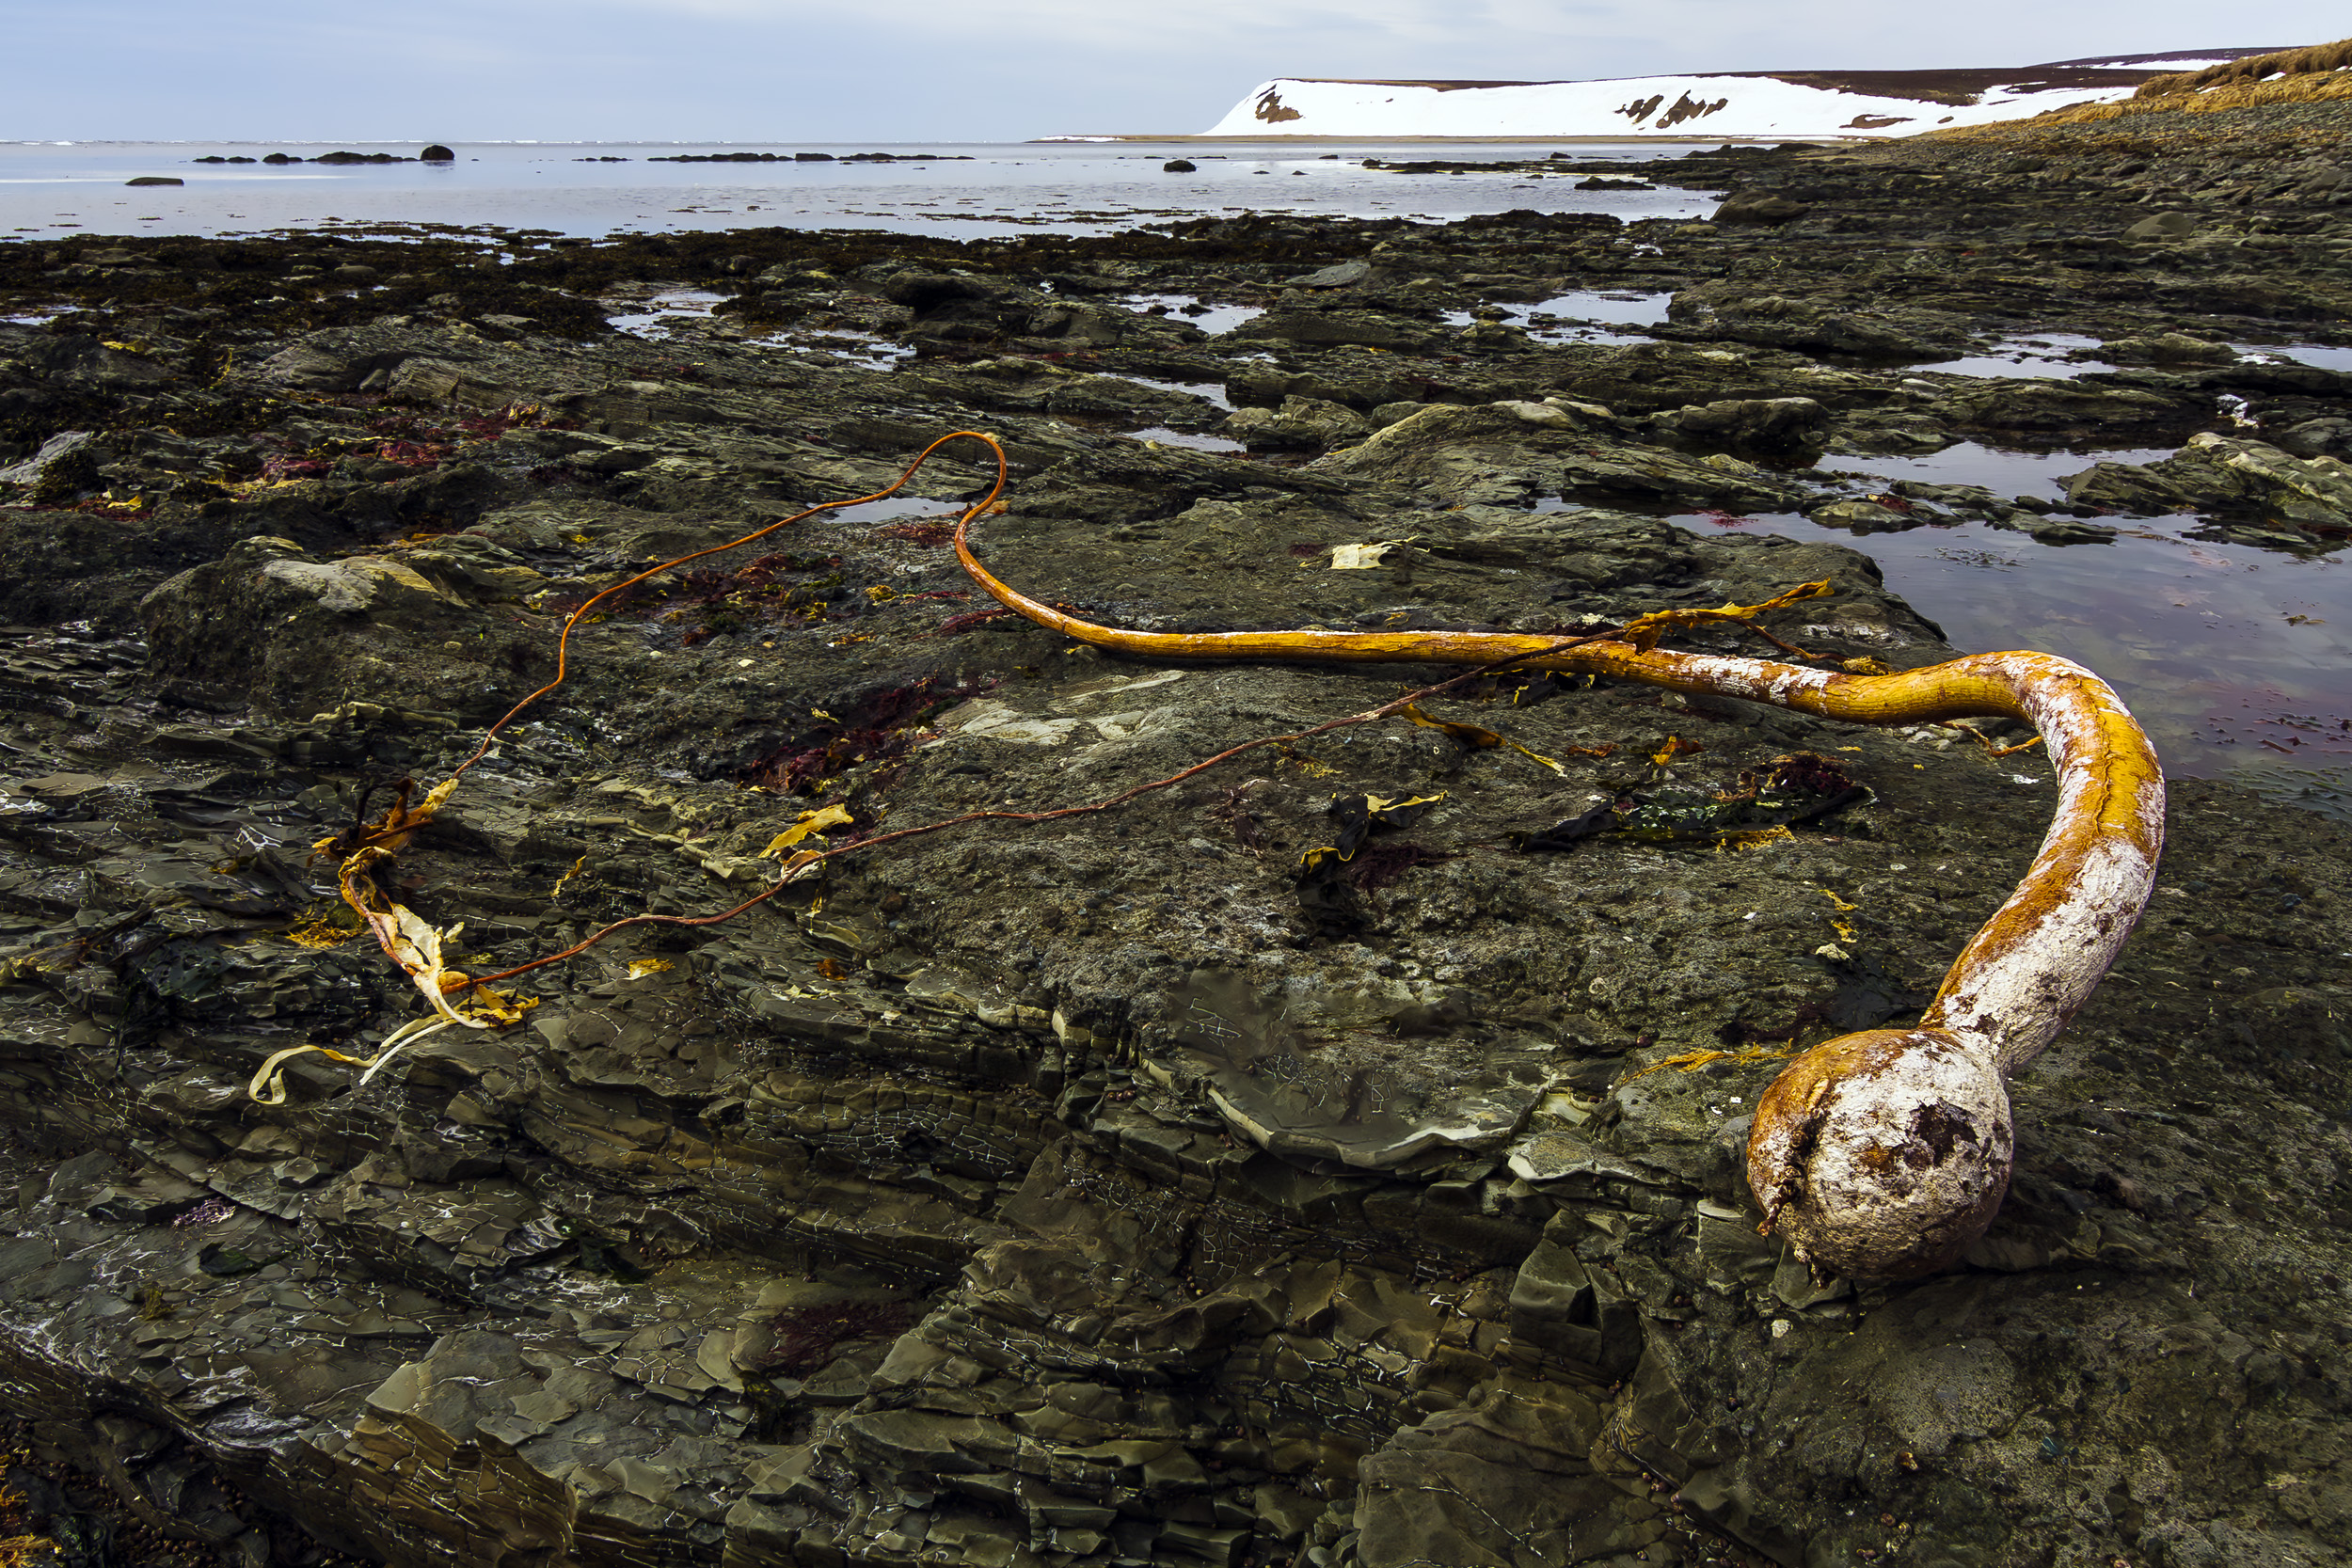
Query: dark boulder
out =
(1759, 207)
(928, 292)
(65, 466)
(1338, 275)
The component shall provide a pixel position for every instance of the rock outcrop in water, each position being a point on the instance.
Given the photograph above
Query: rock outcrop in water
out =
(1121, 1190)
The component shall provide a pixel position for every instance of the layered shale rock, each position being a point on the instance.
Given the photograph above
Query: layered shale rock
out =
(1141, 1187)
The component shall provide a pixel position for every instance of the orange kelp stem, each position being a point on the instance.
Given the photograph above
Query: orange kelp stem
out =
(1883, 1153)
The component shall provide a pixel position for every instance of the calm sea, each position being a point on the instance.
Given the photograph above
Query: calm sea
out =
(54, 189)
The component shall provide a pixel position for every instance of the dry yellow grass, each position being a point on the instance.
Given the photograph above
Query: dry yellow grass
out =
(2316, 59)
(2243, 90)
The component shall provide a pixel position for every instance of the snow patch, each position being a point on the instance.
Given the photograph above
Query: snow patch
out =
(1703, 106)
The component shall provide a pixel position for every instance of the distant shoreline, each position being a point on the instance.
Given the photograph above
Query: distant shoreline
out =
(1441, 141)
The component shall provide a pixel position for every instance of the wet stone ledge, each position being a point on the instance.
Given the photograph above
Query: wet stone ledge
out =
(1103, 1192)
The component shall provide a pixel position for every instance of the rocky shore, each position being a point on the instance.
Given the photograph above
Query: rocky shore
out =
(1140, 1188)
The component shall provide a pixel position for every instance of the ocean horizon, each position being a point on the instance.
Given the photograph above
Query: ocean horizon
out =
(594, 188)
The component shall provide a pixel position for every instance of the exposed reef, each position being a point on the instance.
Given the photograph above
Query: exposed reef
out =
(1144, 1188)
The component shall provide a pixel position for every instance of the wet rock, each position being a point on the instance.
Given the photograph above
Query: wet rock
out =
(2169, 348)
(1308, 423)
(2321, 437)
(1866, 517)
(329, 366)
(1741, 315)
(2067, 530)
(1753, 424)
(436, 153)
(1762, 207)
(1097, 1190)
(1085, 325)
(2022, 406)
(1498, 455)
(65, 466)
(307, 635)
(1179, 165)
(2163, 226)
(1340, 275)
(2218, 473)
(1328, 328)
(926, 292)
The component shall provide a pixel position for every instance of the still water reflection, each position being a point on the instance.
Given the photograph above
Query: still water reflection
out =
(2234, 657)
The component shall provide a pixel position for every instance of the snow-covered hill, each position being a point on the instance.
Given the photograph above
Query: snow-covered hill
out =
(1734, 105)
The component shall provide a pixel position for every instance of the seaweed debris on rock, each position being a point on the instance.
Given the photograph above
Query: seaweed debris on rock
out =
(1124, 1190)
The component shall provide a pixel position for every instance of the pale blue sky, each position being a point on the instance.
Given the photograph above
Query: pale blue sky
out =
(795, 71)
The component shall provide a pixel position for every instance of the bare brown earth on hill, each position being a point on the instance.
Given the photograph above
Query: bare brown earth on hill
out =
(1966, 85)
(1952, 86)
(1387, 82)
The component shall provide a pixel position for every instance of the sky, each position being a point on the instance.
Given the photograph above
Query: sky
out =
(803, 71)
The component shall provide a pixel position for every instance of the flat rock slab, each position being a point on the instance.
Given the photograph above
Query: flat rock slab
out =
(1147, 1185)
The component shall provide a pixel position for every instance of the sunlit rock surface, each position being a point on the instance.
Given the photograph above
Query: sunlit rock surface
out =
(1109, 1191)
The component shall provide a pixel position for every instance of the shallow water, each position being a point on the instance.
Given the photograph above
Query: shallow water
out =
(1215, 320)
(58, 190)
(2232, 656)
(1211, 392)
(2327, 356)
(1579, 317)
(2041, 358)
(894, 509)
(1197, 441)
(860, 350)
(687, 305)
(2006, 473)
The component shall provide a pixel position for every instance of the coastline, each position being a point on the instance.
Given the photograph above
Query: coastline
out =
(1161, 1169)
(1276, 136)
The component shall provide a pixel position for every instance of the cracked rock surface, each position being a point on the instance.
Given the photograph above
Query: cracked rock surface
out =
(1108, 1192)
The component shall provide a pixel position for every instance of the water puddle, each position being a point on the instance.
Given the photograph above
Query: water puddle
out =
(862, 350)
(1209, 391)
(2325, 357)
(1576, 314)
(2232, 656)
(666, 311)
(1576, 318)
(891, 510)
(1587, 317)
(1215, 320)
(2006, 473)
(2045, 357)
(1162, 436)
